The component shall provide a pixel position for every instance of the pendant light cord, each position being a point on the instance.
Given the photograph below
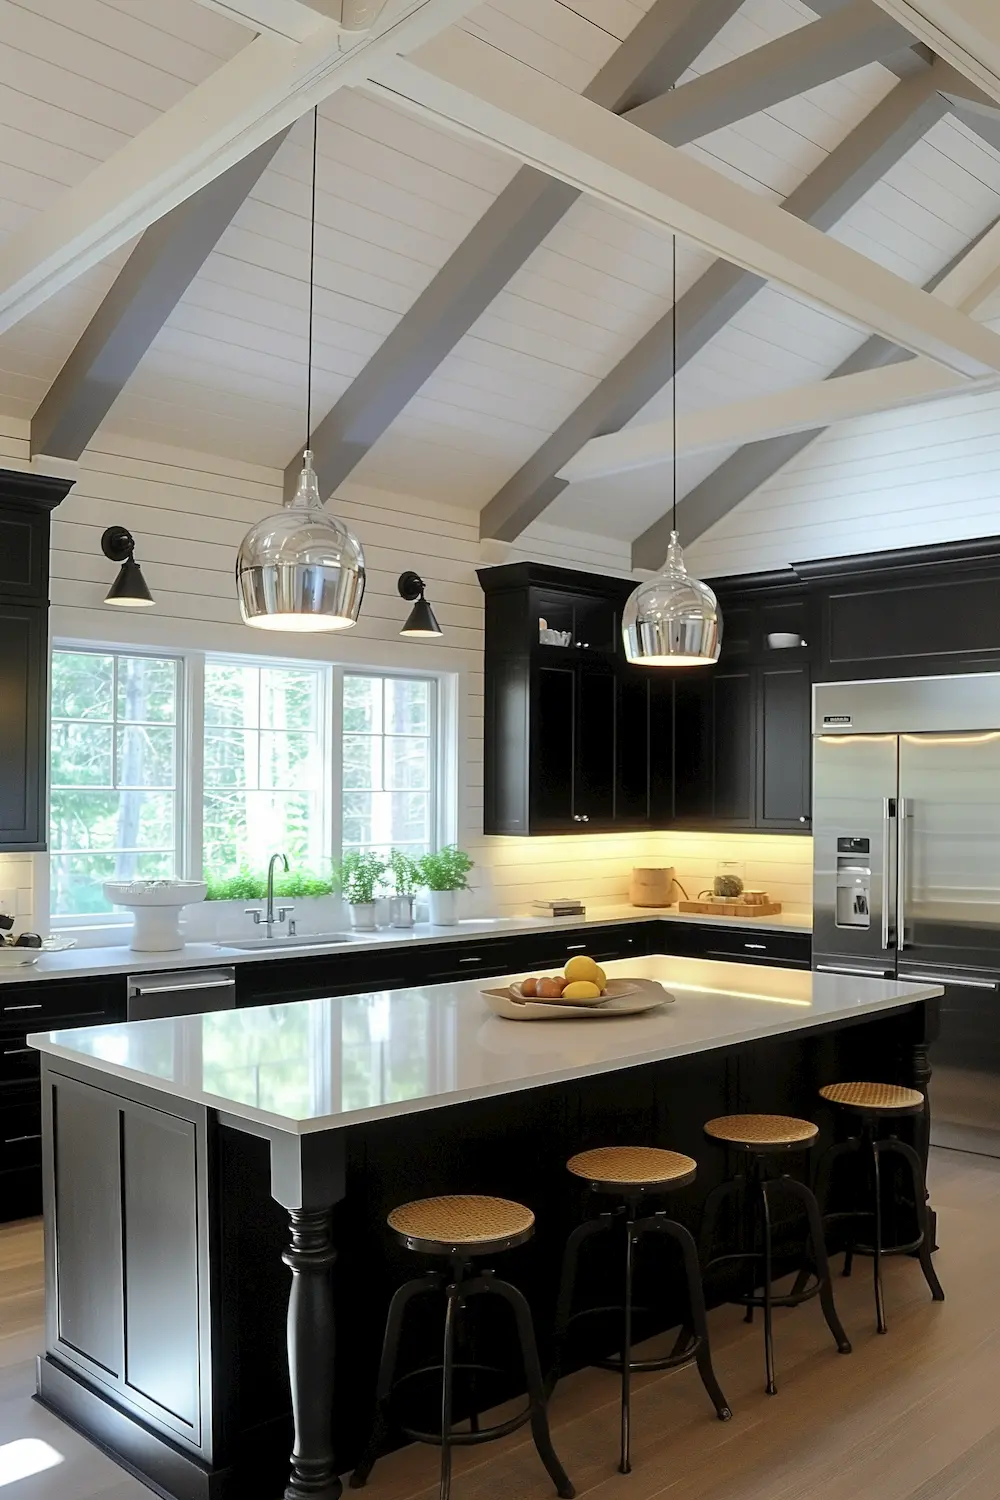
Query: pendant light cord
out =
(673, 383)
(312, 281)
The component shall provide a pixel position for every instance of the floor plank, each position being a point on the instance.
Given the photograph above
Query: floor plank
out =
(911, 1416)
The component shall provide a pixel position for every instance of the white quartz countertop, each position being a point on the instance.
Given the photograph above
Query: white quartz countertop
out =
(119, 959)
(324, 1064)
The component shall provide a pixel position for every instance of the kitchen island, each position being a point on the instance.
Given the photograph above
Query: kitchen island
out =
(191, 1163)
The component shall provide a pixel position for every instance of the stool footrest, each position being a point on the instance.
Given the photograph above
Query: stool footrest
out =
(777, 1299)
(470, 1439)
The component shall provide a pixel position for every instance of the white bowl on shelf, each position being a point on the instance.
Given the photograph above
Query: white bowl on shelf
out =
(784, 640)
(156, 907)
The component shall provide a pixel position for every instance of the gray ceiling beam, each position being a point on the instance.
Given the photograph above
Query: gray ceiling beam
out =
(753, 464)
(649, 61)
(884, 136)
(849, 38)
(145, 292)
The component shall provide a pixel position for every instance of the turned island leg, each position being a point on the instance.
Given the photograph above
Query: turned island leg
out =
(307, 1178)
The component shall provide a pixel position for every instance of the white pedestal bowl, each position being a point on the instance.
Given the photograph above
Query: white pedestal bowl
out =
(156, 907)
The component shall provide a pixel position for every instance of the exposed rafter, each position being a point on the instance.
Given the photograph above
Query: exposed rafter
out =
(264, 88)
(968, 280)
(654, 55)
(965, 33)
(865, 155)
(144, 294)
(801, 409)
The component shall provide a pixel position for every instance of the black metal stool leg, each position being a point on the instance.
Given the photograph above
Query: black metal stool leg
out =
(447, 1389)
(536, 1387)
(698, 1318)
(748, 1235)
(710, 1214)
(387, 1371)
(873, 1144)
(567, 1287)
(906, 1151)
(765, 1210)
(806, 1197)
(625, 1462)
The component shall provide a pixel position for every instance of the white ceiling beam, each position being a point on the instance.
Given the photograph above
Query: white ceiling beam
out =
(965, 33)
(471, 86)
(293, 19)
(264, 88)
(802, 409)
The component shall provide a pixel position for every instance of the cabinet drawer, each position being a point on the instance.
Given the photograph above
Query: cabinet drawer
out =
(787, 949)
(46, 1007)
(21, 1135)
(19, 1063)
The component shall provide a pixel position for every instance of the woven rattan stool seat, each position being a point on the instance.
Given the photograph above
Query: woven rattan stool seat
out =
(762, 1132)
(462, 1222)
(640, 1167)
(878, 1098)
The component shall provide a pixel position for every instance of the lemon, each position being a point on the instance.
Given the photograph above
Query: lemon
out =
(581, 989)
(582, 967)
(602, 978)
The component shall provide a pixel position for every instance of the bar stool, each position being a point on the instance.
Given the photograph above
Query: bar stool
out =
(459, 1229)
(873, 1104)
(631, 1174)
(760, 1138)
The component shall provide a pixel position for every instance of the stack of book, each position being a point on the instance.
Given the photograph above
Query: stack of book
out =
(560, 906)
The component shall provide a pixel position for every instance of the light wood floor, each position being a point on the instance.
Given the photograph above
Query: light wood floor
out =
(912, 1416)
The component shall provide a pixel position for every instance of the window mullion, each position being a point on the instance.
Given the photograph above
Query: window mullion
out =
(191, 780)
(334, 757)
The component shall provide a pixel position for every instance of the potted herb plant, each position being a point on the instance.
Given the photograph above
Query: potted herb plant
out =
(402, 874)
(358, 876)
(444, 874)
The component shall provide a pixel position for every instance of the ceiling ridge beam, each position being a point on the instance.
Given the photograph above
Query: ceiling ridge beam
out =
(145, 292)
(880, 140)
(661, 47)
(850, 38)
(965, 282)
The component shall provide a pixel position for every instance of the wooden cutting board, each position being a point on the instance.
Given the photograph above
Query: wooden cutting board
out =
(732, 908)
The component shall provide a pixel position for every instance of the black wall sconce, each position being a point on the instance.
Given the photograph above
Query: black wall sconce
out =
(129, 588)
(421, 621)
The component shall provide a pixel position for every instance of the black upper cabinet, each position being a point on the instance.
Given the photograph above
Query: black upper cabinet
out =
(568, 727)
(26, 501)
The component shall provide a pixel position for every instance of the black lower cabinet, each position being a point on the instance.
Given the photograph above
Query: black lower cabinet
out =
(25, 1008)
(786, 950)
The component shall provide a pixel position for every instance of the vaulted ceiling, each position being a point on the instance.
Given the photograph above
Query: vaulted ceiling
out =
(467, 369)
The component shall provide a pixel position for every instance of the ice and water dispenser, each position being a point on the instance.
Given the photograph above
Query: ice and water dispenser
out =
(854, 882)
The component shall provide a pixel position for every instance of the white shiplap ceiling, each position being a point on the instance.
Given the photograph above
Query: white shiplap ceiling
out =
(397, 195)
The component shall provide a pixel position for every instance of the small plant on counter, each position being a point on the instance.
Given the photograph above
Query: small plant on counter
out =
(248, 885)
(359, 876)
(447, 870)
(403, 875)
(444, 874)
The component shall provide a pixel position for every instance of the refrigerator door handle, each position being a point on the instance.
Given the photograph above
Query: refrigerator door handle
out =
(902, 813)
(888, 813)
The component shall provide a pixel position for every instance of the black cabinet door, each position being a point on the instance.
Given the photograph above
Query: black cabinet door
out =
(632, 751)
(553, 734)
(594, 750)
(714, 748)
(23, 683)
(784, 747)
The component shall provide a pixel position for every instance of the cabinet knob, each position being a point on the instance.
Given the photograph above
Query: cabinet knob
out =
(585, 819)
(805, 818)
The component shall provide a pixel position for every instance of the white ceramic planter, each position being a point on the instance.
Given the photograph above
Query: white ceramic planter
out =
(443, 908)
(363, 916)
(401, 911)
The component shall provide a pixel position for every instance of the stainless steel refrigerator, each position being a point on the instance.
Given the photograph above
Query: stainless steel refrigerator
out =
(906, 867)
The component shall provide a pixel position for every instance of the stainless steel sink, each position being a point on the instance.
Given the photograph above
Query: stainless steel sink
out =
(298, 940)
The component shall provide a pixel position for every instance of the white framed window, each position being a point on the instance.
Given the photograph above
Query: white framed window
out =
(390, 754)
(264, 786)
(115, 789)
(201, 764)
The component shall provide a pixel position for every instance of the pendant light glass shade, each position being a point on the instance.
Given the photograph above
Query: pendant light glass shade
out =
(672, 620)
(301, 569)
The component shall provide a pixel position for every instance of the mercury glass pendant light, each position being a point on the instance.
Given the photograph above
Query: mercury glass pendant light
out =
(673, 620)
(302, 569)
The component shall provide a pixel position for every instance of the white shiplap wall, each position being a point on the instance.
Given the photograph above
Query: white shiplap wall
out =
(189, 511)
